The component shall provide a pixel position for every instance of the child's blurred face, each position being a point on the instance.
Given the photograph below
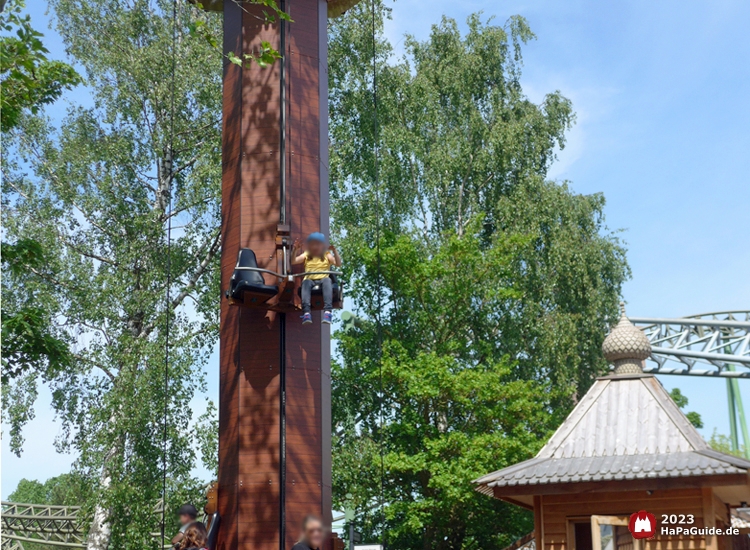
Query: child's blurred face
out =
(316, 248)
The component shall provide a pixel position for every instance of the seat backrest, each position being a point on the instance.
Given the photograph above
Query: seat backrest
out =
(213, 531)
(246, 258)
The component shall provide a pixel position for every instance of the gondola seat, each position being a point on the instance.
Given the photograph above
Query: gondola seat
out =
(249, 287)
(213, 531)
(316, 295)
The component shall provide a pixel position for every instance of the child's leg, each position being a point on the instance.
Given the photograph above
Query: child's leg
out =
(327, 285)
(306, 291)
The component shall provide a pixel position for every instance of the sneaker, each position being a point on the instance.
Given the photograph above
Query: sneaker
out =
(307, 319)
(327, 318)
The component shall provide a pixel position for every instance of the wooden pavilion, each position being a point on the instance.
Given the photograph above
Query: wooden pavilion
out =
(625, 447)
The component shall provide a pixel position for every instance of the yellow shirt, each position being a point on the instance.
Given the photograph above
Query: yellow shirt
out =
(315, 263)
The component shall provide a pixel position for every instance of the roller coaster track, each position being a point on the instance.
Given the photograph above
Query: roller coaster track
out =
(712, 344)
(40, 524)
(43, 526)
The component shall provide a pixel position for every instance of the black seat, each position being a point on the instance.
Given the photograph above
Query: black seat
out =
(213, 531)
(317, 290)
(243, 280)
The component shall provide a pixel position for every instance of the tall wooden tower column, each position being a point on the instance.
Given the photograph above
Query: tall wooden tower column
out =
(274, 410)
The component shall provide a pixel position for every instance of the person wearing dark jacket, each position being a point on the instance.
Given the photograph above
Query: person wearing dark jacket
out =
(188, 514)
(312, 534)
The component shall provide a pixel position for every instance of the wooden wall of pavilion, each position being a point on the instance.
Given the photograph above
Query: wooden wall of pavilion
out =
(555, 514)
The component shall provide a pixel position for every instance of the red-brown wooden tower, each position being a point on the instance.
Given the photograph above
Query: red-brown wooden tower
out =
(274, 411)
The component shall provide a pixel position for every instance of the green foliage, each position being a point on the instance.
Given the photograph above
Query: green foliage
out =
(62, 490)
(682, 401)
(266, 54)
(265, 57)
(722, 443)
(29, 79)
(29, 340)
(483, 291)
(33, 347)
(86, 204)
(695, 419)
(74, 490)
(207, 437)
(30, 491)
(679, 399)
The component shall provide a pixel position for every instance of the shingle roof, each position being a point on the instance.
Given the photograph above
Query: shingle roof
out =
(624, 428)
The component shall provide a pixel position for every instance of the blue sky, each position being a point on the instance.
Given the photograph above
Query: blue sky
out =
(661, 91)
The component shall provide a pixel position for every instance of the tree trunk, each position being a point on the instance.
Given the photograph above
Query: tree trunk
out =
(100, 530)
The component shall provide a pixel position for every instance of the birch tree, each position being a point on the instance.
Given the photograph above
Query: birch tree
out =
(97, 193)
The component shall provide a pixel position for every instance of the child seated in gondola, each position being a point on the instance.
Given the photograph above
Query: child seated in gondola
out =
(316, 257)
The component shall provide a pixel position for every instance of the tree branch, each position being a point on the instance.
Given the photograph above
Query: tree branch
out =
(101, 367)
(202, 267)
(53, 177)
(85, 253)
(52, 280)
(97, 329)
(190, 162)
(213, 249)
(461, 196)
